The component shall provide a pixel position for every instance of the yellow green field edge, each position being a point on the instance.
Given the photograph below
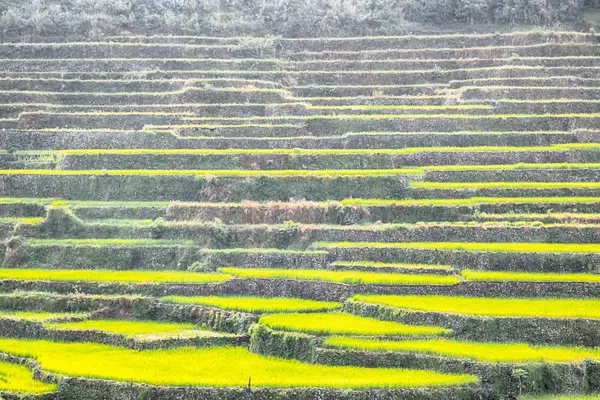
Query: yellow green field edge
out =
(133, 276)
(40, 316)
(298, 151)
(138, 329)
(501, 276)
(468, 201)
(503, 185)
(387, 265)
(285, 173)
(561, 397)
(344, 277)
(478, 351)
(229, 367)
(18, 379)
(470, 246)
(549, 216)
(255, 304)
(110, 242)
(490, 307)
(338, 323)
(22, 220)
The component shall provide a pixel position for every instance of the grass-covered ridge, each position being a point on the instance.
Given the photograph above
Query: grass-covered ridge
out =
(487, 352)
(229, 367)
(472, 246)
(344, 324)
(504, 185)
(502, 276)
(133, 328)
(135, 276)
(349, 277)
(19, 379)
(111, 242)
(255, 304)
(38, 315)
(379, 264)
(494, 307)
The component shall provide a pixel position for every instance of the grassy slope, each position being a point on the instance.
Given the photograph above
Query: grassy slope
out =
(19, 379)
(471, 275)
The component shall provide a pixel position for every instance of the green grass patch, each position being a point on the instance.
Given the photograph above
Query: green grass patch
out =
(472, 246)
(112, 242)
(255, 304)
(23, 220)
(561, 397)
(216, 367)
(494, 307)
(38, 316)
(19, 379)
(344, 324)
(134, 276)
(486, 352)
(349, 277)
(498, 276)
(379, 264)
(133, 329)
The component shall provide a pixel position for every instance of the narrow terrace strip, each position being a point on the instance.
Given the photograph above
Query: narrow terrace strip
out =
(18, 379)
(135, 329)
(340, 324)
(220, 173)
(493, 307)
(504, 185)
(348, 277)
(256, 304)
(39, 316)
(137, 276)
(229, 367)
(493, 276)
(409, 150)
(486, 352)
(111, 242)
(472, 246)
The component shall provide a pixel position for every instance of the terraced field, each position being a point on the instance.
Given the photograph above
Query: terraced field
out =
(413, 217)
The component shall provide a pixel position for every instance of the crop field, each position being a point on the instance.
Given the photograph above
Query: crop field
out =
(408, 217)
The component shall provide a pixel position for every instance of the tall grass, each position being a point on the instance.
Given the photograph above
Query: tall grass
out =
(255, 304)
(497, 307)
(344, 324)
(213, 367)
(487, 352)
(349, 277)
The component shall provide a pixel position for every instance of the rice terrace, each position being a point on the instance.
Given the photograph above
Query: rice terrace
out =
(300, 200)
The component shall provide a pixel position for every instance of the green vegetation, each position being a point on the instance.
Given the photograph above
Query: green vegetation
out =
(111, 242)
(504, 185)
(494, 307)
(218, 173)
(298, 152)
(472, 200)
(131, 328)
(561, 397)
(349, 277)
(344, 324)
(471, 275)
(487, 352)
(137, 276)
(468, 246)
(378, 264)
(256, 304)
(228, 366)
(39, 316)
(19, 379)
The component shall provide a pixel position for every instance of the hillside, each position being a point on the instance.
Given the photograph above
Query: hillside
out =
(387, 217)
